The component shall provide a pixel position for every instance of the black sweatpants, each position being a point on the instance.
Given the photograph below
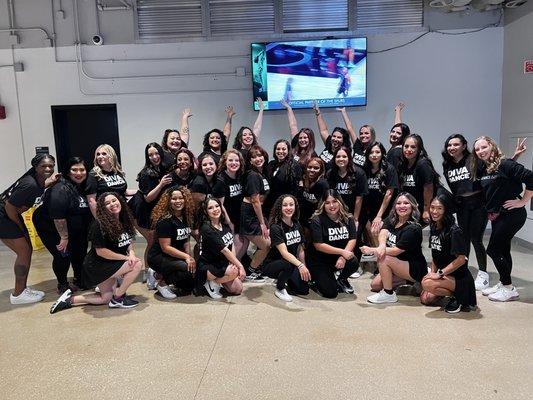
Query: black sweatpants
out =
(324, 276)
(504, 228)
(287, 275)
(472, 219)
(174, 271)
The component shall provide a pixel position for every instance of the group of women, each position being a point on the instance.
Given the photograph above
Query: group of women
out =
(310, 217)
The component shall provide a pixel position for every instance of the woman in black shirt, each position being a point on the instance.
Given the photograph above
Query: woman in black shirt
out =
(184, 168)
(303, 140)
(399, 252)
(218, 266)
(203, 183)
(174, 140)
(62, 222)
(286, 260)
(170, 255)
(449, 274)
(111, 257)
(398, 133)
(247, 137)
(311, 190)
(15, 200)
(502, 181)
(339, 137)
(333, 242)
(216, 141)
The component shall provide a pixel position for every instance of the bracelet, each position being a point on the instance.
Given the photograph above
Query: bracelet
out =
(301, 266)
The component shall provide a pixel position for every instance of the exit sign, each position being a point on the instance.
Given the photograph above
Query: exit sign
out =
(528, 67)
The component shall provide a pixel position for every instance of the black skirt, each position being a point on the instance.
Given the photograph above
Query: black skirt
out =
(249, 222)
(10, 230)
(97, 269)
(418, 269)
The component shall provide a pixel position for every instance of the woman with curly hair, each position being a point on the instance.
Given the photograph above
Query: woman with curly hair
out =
(215, 141)
(171, 256)
(106, 176)
(184, 168)
(339, 137)
(399, 252)
(502, 180)
(334, 238)
(218, 266)
(174, 140)
(311, 189)
(285, 261)
(111, 257)
(247, 137)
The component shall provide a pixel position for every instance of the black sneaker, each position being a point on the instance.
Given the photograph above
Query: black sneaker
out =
(255, 276)
(123, 302)
(344, 286)
(62, 303)
(453, 306)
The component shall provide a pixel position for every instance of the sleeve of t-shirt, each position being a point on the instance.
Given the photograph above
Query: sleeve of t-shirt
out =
(219, 190)
(411, 237)
(316, 230)
(391, 178)
(147, 183)
(321, 187)
(352, 232)
(199, 186)
(424, 172)
(277, 236)
(92, 185)
(164, 229)
(60, 200)
(517, 171)
(361, 182)
(96, 236)
(24, 193)
(253, 184)
(457, 242)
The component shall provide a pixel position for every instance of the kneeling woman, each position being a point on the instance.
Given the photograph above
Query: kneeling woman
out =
(218, 264)
(399, 252)
(333, 237)
(449, 274)
(285, 261)
(110, 257)
(171, 253)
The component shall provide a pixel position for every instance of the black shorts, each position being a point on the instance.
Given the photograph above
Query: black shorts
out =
(249, 225)
(10, 230)
(97, 270)
(218, 270)
(418, 269)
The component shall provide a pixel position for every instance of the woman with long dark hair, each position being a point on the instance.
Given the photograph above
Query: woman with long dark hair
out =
(247, 137)
(203, 183)
(215, 141)
(397, 135)
(311, 190)
(171, 255)
(449, 274)
(285, 261)
(62, 222)
(338, 137)
(174, 140)
(302, 140)
(367, 136)
(111, 257)
(218, 266)
(502, 181)
(25, 193)
(184, 168)
(333, 243)
(399, 253)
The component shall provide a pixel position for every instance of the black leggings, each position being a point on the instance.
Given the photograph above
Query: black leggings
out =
(324, 276)
(504, 228)
(472, 219)
(174, 271)
(286, 274)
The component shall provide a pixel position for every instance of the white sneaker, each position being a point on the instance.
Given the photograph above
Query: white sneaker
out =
(166, 292)
(505, 294)
(37, 292)
(27, 296)
(283, 295)
(491, 290)
(482, 280)
(382, 297)
(151, 282)
(356, 274)
(213, 289)
(368, 258)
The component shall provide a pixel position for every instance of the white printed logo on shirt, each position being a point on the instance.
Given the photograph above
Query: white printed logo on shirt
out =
(114, 180)
(337, 233)
(124, 240)
(373, 184)
(183, 233)
(235, 190)
(359, 159)
(227, 239)
(434, 243)
(343, 188)
(391, 240)
(266, 185)
(458, 174)
(409, 180)
(293, 237)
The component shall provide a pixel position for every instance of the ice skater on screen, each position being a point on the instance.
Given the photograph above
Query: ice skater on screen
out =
(287, 96)
(345, 82)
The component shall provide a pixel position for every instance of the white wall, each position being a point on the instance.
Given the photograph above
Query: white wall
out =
(517, 92)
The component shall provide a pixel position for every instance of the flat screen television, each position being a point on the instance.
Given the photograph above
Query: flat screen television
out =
(330, 71)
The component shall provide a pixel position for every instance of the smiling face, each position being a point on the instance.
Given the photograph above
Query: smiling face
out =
(365, 135)
(233, 163)
(214, 140)
(410, 149)
(154, 156)
(247, 137)
(395, 136)
(341, 159)
(177, 201)
(257, 160)
(483, 149)
(303, 140)
(112, 205)
(45, 168)
(281, 151)
(336, 140)
(103, 158)
(375, 156)
(208, 166)
(436, 210)
(332, 207)
(213, 210)
(455, 148)
(77, 173)
(183, 161)
(288, 207)
(313, 170)
(173, 141)
(403, 207)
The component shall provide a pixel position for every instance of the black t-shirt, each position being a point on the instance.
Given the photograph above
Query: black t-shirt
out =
(169, 159)
(350, 186)
(336, 234)
(171, 228)
(358, 153)
(201, 185)
(377, 187)
(459, 178)
(407, 237)
(99, 240)
(309, 198)
(413, 179)
(506, 183)
(179, 181)
(394, 156)
(283, 233)
(26, 193)
(446, 247)
(283, 181)
(255, 183)
(213, 241)
(110, 182)
(231, 190)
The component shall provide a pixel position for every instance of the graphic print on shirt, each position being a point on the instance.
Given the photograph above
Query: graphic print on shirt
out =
(235, 190)
(293, 237)
(227, 239)
(391, 239)
(81, 202)
(359, 159)
(409, 181)
(340, 233)
(266, 185)
(124, 240)
(343, 188)
(326, 156)
(458, 174)
(434, 243)
(114, 180)
(373, 184)
(183, 233)
(310, 197)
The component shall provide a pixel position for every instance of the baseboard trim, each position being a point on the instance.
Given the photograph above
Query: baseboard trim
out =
(524, 243)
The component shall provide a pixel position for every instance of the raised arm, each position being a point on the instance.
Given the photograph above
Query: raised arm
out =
(520, 148)
(322, 126)
(398, 113)
(348, 124)
(258, 124)
(293, 124)
(184, 127)
(230, 112)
